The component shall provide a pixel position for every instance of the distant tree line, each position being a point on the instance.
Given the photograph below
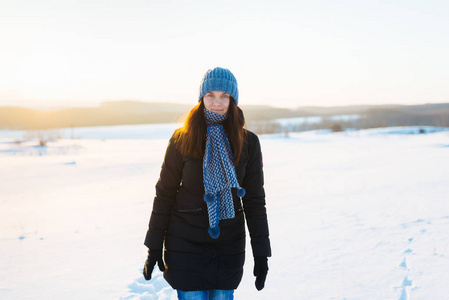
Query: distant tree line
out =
(260, 119)
(371, 118)
(18, 118)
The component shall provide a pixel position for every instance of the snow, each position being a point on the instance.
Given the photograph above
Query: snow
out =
(315, 119)
(353, 215)
(145, 131)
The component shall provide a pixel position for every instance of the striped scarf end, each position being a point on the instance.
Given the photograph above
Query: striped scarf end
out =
(209, 198)
(241, 192)
(214, 232)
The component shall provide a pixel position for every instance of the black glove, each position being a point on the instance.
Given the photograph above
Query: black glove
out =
(260, 271)
(154, 255)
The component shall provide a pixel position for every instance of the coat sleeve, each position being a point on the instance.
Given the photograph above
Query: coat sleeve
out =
(254, 200)
(167, 187)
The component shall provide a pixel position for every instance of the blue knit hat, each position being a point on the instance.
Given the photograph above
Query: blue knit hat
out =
(219, 79)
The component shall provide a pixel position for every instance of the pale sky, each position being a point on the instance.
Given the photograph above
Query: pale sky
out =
(283, 53)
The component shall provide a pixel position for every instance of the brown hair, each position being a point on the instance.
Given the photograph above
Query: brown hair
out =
(191, 138)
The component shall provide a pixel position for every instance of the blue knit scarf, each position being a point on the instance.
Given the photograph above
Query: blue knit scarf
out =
(218, 173)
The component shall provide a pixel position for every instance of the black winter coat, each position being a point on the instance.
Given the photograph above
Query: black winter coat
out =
(194, 260)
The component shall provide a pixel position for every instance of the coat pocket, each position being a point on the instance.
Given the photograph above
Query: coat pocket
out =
(191, 211)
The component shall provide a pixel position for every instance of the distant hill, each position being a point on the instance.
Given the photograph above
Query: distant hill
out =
(108, 113)
(363, 109)
(135, 112)
(116, 113)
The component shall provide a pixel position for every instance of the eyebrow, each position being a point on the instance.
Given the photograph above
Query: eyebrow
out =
(222, 93)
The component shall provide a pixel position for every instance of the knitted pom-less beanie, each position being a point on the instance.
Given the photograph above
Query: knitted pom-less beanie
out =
(219, 79)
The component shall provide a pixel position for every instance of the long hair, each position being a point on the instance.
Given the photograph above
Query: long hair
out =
(191, 138)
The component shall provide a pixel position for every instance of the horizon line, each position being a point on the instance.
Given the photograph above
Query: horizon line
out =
(99, 104)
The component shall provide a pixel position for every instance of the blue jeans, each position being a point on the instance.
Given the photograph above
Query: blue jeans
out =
(206, 295)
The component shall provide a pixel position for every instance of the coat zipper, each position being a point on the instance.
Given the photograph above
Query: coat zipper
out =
(190, 210)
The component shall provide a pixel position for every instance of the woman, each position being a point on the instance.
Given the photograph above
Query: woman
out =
(210, 182)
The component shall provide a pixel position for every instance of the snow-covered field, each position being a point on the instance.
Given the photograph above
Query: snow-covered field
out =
(358, 215)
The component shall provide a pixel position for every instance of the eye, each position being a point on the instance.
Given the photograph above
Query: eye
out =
(225, 96)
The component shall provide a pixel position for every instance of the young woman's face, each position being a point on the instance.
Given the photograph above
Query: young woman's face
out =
(217, 102)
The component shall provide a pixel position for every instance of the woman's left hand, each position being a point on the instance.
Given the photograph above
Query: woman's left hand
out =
(260, 271)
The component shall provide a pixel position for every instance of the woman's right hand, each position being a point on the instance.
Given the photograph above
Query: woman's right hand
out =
(260, 271)
(154, 255)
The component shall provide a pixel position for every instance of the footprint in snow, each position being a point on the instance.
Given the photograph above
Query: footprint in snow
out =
(404, 295)
(403, 264)
(404, 292)
(155, 289)
(406, 282)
